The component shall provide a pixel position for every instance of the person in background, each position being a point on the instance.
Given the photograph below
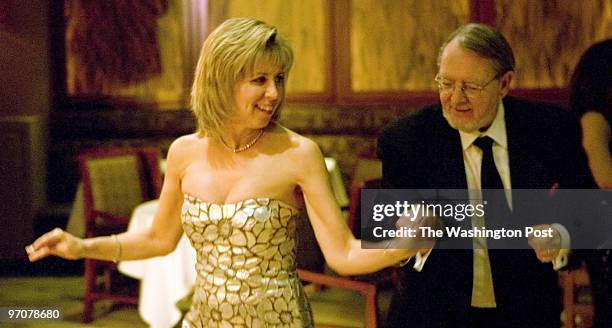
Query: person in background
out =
(235, 188)
(523, 145)
(591, 100)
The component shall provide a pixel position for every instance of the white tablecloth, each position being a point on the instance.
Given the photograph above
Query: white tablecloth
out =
(335, 177)
(167, 279)
(164, 279)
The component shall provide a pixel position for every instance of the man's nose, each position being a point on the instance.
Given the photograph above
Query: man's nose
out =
(457, 95)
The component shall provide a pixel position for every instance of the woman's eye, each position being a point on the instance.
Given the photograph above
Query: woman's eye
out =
(280, 79)
(260, 80)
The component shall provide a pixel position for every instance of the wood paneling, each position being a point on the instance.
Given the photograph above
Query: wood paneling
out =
(341, 132)
(303, 23)
(548, 37)
(394, 44)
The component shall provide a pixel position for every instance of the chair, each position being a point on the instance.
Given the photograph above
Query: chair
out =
(343, 302)
(114, 181)
(367, 173)
(335, 301)
(577, 311)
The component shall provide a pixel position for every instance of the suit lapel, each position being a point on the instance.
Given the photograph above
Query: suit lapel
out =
(448, 169)
(527, 171)
(515, 147)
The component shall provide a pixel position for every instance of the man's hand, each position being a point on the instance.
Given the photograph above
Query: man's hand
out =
(417, 241)
(546, 248)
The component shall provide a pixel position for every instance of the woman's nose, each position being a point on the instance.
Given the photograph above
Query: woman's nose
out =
(272, 91)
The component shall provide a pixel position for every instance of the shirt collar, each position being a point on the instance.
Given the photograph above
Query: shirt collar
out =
(497, 131)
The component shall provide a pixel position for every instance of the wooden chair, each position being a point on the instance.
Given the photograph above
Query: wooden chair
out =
(577, 312)
(367, 173)
(335, 301)
(342, 302)
(114, 181)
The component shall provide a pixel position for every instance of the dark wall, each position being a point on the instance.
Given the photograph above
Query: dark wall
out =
(25, 97)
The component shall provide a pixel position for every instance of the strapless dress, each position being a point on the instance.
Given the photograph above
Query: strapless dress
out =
(246, 265)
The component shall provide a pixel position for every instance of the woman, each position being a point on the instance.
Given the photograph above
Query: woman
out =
(235, 188)
(591, 99)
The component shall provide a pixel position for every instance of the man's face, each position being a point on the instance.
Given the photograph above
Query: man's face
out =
(470, 110)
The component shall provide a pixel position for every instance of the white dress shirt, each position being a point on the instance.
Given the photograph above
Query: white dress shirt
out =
(483, 294)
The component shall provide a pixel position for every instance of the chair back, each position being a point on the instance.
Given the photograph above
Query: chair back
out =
(367, 173)
(367, 167)
(338, 302)
(335, 301)
(115, 181)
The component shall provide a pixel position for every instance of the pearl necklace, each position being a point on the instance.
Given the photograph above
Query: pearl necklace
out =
(245, 147)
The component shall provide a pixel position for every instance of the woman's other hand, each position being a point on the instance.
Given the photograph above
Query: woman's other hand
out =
(55, 242)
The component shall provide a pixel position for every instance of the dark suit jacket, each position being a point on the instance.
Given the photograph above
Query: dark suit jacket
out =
(422, 151)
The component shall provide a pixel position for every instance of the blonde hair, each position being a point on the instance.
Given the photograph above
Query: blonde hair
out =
(231, 52)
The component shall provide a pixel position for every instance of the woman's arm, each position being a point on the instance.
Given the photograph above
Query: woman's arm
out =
(160, 239)
(341, 249)
(596, 143)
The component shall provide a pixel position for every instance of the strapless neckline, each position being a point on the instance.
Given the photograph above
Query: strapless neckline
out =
(246, 263)
(242, 201)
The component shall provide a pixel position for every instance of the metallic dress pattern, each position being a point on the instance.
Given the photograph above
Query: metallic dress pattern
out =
(246, 268)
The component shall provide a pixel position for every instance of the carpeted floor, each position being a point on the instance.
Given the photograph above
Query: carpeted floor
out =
(65, 292)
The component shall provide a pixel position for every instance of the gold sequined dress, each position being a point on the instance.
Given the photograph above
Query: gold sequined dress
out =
(246, 268)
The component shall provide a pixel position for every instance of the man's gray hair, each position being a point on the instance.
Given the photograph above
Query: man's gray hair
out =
(486, 42)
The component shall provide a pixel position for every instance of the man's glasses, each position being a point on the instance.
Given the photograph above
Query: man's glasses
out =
(468, 89)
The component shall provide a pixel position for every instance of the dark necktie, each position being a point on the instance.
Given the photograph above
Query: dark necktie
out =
(489, 177)
(491, 185)
(483, 290)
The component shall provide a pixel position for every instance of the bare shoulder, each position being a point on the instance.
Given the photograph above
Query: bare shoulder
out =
(183, 145)
(182, 149)
(299, 146)
(304, 159)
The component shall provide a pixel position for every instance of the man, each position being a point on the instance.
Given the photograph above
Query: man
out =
(534, 146)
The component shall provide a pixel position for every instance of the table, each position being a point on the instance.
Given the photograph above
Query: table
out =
(167, 279)
(337, 184)
(164, 280)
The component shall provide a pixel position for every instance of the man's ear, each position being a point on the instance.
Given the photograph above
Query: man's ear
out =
(506, 80)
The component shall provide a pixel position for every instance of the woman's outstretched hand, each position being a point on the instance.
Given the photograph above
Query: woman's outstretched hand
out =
(55, 242)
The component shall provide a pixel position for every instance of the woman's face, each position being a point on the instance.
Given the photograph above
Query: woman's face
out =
(258, 95)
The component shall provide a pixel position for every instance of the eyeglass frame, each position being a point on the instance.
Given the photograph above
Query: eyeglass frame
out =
(463, 86)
